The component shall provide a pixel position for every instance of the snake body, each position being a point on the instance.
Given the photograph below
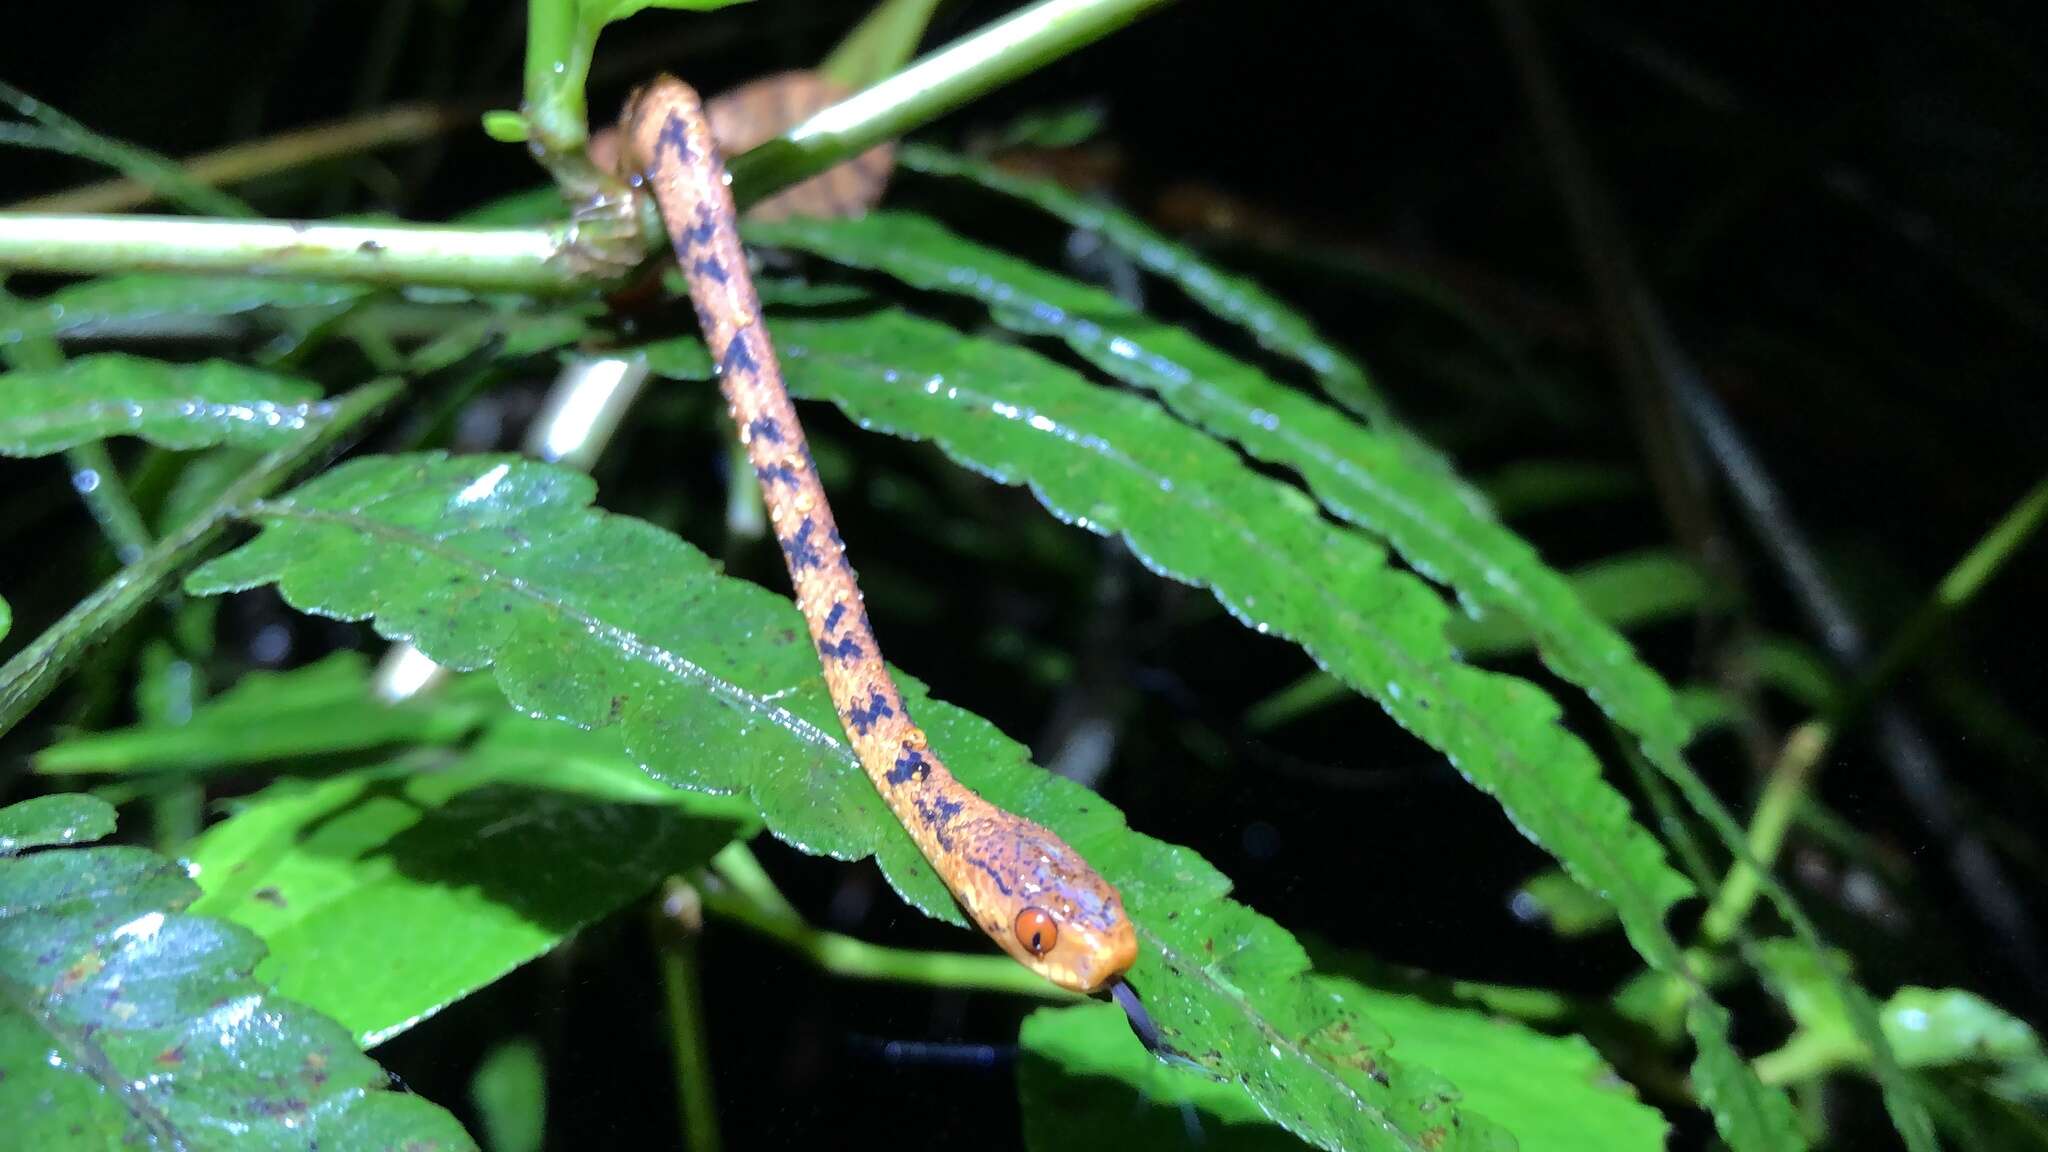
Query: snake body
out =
(1029, 891)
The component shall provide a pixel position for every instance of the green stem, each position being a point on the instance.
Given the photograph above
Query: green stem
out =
(557, 65)
(239, 163)
(1780, 801)
(696, 1104)
(1808, 1056)
(1960, 586)
(99, 485)
(940, 82)
(543, 261)
(36, 669)
(515, 259)
(753, 902)
(1784, 792)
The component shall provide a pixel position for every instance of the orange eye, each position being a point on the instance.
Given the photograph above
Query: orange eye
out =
(1036, 930)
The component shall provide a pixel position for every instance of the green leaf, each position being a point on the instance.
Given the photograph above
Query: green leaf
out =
(598, 620)
(1929, 1027)
(38, 667)
(597, 13)
(66, 818)
(170, 405)
(321, 709)
(1086, 1083)
(1193, 511)
(1749, 1115)
(1527, 487)
(386, 894)
(510, 1092)
(1364, 478)
(1627, 591)
(1565, 903)
(158, 300)
(1275, 325)
(127, 1022)
(1360, 475)
(6, 619)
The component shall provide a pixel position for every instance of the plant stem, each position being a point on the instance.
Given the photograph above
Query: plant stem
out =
(542, 261)
(99, 484)
(557, 65)
(515, 259)
(1956, 590)
(682, 921)
(753, 902)
(940, 82)
(399, 124)
(36, 669)
(1780, 801)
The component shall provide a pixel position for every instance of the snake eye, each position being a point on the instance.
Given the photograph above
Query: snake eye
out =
(1036, 930)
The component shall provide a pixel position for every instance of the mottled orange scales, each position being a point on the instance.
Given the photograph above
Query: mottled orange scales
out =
(1022, 884)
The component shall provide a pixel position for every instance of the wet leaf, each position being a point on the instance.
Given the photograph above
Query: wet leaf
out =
(318, 710)
(387, 893)
(128, 1022)
(598, 620)
(1086, 1083)
(160, 301)
(65, 818)
(170, 405)
(1360, 475)
(1234, 298)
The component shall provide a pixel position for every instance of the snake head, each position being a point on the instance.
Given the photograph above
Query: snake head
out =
(1046, 907)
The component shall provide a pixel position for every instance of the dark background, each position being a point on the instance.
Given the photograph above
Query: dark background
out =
(1838, 212)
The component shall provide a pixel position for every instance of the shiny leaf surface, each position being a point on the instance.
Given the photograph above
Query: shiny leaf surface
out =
(170, 405)
(597, 620)
(127, 1022)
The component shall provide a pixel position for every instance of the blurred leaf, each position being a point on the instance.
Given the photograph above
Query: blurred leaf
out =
(65, 818)
(128, 1022)
(141, 165)
(37, 668)
(1927, 1027)
(1629, 591)
(386, 894)
(713, 684)
(1276, 326)
(1563, 903)
(170, 405)
(1938, 1026)
(597, 13)
(1531, 486)
(1086, 1083)
(1747, 1114)
(510, 1092)
(319, 709)
(880, 44)
(154, 297)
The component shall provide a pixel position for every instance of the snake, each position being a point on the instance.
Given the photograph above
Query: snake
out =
(1031, 893)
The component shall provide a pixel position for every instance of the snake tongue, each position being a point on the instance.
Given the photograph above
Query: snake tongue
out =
(1147, 1031)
